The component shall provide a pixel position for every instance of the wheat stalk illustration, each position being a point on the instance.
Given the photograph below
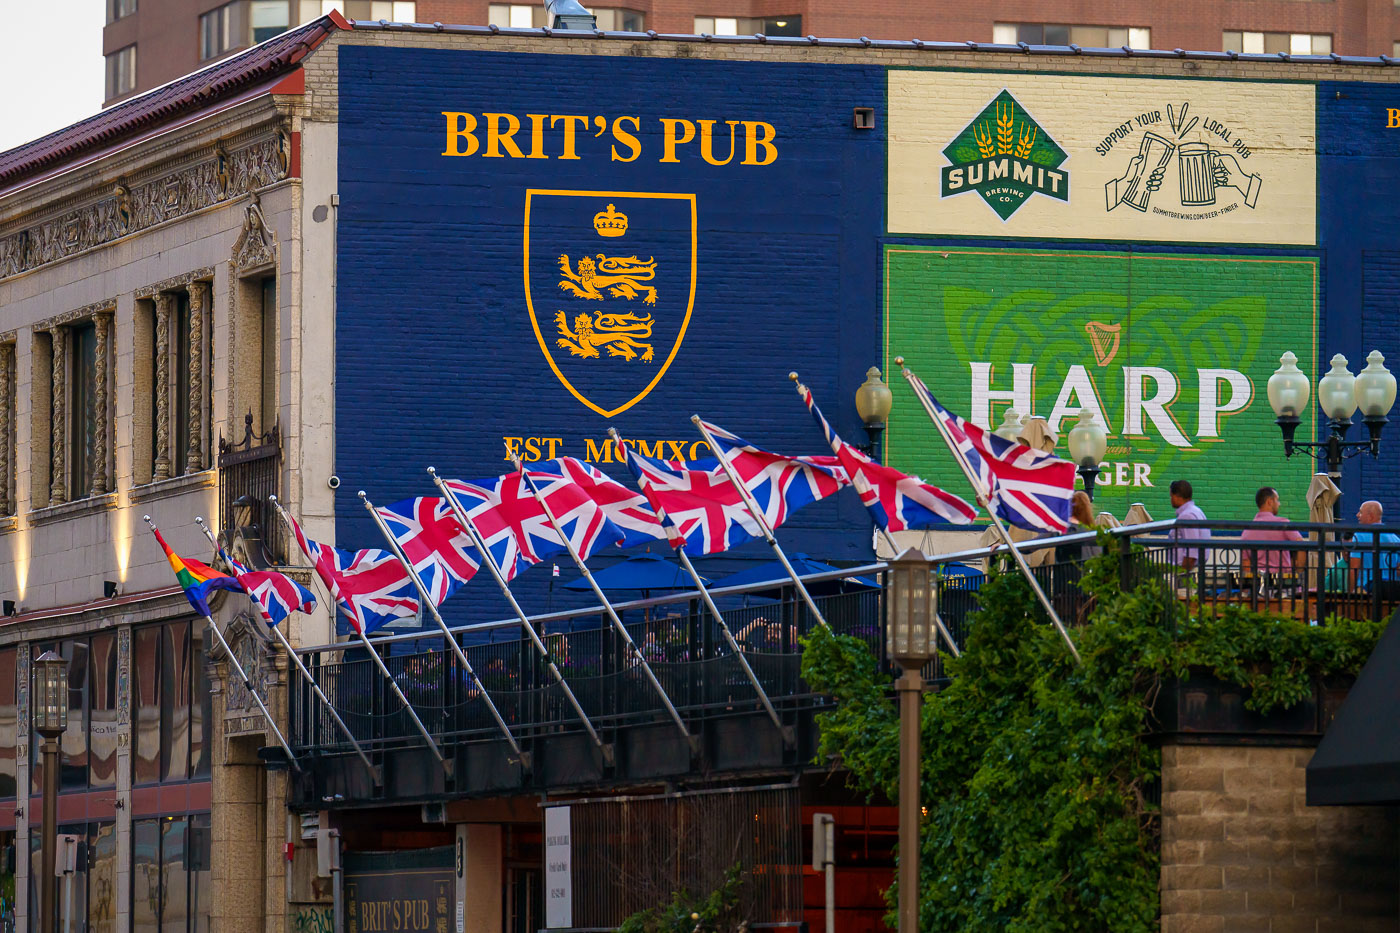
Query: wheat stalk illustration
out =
(1006, 120)
(983, 135)
(1026, 142)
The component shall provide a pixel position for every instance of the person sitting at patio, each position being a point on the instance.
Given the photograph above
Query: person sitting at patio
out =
(1271, 561)
(1081, 518)
(1363, 559)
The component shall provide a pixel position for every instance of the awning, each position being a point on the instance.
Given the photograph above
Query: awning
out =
(1358, 760)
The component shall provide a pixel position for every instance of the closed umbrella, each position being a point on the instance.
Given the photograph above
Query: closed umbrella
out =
(1322, 498)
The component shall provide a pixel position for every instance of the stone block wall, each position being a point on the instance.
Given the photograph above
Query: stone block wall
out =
(1243, 853)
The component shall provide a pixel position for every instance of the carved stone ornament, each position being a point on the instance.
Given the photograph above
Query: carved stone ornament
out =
(256, 244)
(130, 207)
(254, 651)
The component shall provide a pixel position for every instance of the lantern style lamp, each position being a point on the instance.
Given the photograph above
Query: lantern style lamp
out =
(913, 600)
(1375, 396)
(1288, 396)
(873, 403)
(1088, 442)
(1010, 427)
(1340, 395)
(49, 710)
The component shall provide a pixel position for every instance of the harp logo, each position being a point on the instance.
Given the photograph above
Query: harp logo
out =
(1103, 340)
(1005, 156)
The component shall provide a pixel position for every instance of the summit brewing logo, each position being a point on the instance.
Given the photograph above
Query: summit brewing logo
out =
(1005, 156)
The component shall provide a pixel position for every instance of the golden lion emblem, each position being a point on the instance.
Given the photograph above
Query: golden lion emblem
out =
(615, 333)
(622, 276)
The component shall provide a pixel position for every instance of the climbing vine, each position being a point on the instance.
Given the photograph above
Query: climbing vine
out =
(1037, 772)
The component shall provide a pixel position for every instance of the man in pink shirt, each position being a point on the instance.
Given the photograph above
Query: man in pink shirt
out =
(1266, 499)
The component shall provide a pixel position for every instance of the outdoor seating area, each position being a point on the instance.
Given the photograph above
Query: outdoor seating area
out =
(1312, 579)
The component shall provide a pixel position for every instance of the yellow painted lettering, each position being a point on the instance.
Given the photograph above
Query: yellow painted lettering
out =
(460, 126)
(672, 140)
(512, 446)
(532, 449)
(495, 139)
(554, 445)
(698, 447)
(537, 135)
(707, 141)
(1393, 115)
(753, 142)
(655, 450)
(571, 125)
(677, 450)
(626, 138)
(594, 453)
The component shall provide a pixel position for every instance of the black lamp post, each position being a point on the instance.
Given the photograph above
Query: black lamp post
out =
(873, 403)
(910, 639)
(1340, 395)
(50, 714)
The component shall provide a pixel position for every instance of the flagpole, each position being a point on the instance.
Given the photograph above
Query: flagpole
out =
(427, 601)
(862, 487)
(984, 500)
(247, 683)
(296, 659)
(757, 514)
(607, 606)
(378, 661)
(787, 733)
(490, 560)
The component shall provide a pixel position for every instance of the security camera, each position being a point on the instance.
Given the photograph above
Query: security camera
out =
(333, 482)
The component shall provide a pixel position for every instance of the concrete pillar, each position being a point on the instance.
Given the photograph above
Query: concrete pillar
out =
(478, 870)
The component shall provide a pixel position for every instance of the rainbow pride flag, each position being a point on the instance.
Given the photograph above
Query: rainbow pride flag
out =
(198, 579)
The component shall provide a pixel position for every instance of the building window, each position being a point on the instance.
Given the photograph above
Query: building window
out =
(8, 399)
(616, 20)
(1273, 43)
(268, 18)
(267, 351)
(170, 703)
(1090, 37)
(218, 31)
(516, 15)
(170, 882)
(117, 9)
(395, 11)
(748, 26)
(72, 411)
(121, 72)
(179, 377)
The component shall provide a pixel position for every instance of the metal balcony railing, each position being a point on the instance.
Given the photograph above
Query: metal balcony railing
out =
(1315, 580)
(248, 476)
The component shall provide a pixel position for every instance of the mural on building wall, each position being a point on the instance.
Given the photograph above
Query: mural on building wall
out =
(1171, 352)
(535, 248)
(1116, 158)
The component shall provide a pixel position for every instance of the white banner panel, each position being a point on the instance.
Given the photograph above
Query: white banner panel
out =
(558, 869)
(1101, 158)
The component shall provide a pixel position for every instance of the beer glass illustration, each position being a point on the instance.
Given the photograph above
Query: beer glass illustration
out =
(1197, 165)
(1154, 152)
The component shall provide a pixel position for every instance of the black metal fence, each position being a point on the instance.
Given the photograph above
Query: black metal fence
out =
(1315, 578)
(248, 476)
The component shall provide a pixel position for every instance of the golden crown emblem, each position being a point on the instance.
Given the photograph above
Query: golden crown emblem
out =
(610, 222)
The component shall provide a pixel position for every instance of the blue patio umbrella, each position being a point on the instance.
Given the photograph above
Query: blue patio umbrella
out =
(643, 572)
(774, 572)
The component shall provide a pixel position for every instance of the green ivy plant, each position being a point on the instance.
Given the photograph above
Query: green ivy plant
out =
(1035, 771)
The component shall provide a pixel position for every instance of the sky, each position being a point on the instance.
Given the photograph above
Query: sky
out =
(51, 67)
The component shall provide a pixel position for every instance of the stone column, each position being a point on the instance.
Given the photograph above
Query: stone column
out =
(102, 320)
(22, 821)
(199, 301)
(161, 429)
(7, 419)
(58, 447)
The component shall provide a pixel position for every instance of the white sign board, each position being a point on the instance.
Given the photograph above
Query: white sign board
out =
(558, 869)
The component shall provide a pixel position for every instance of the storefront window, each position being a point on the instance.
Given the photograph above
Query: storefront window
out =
(146, 702)
(202, 709)
(73, 771)
(9, 724)
(102, 715)
(175, 905)
(170, 886)
(145, 876)
(175, 702)
(102, 878)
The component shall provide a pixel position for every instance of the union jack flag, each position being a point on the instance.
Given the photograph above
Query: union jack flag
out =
(1029, 488)
(626, 509)
(371, 587)
(514, 524)
(895, 500)
(275, 594)
(438, 547)
(705, 513)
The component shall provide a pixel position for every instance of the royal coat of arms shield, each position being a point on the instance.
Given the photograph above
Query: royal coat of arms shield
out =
(610, 286)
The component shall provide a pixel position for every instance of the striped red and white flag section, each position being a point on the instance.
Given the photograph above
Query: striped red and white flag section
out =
(1029, 488)
(1012, 480)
